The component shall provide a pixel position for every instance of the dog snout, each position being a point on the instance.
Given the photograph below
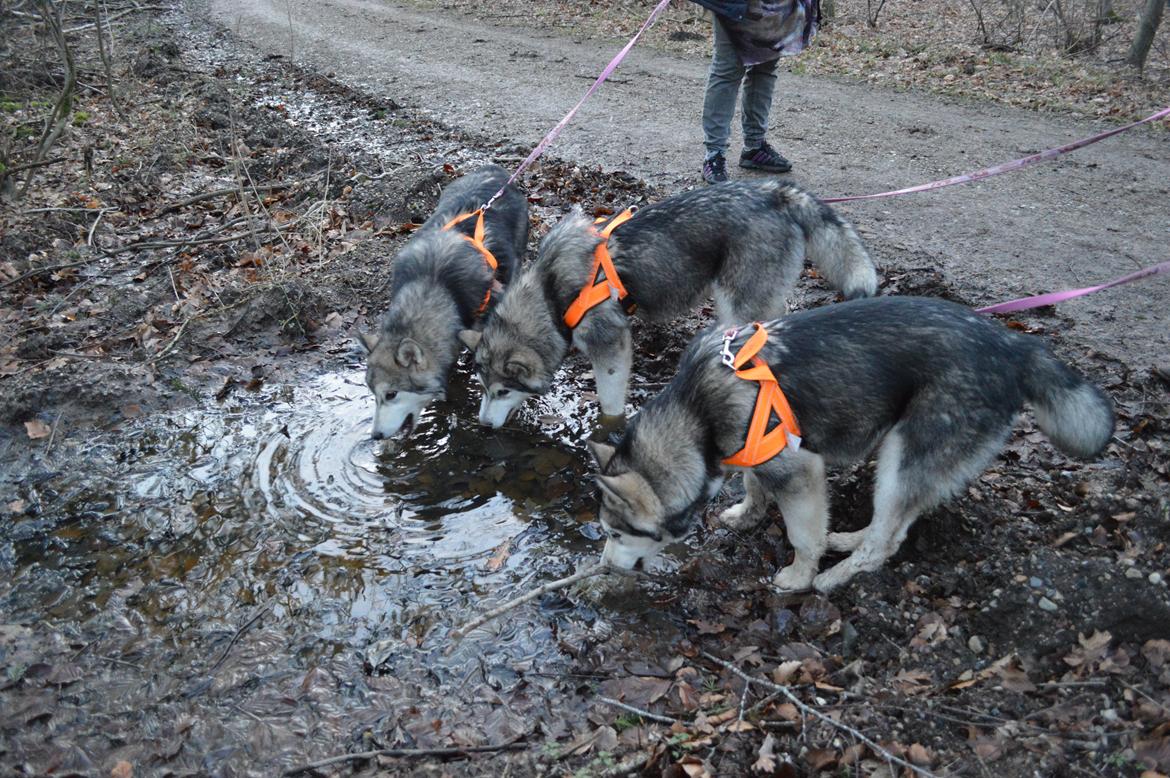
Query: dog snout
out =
(376, 435)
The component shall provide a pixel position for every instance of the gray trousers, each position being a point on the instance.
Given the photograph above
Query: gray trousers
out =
(723, 80)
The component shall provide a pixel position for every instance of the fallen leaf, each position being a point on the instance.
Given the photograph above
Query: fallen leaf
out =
(37, 429)
(122, 769)
(499, 556)
(765, 758)
(919, 755)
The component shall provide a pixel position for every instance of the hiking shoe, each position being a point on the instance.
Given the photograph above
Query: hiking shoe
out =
(764, 158)
(715, 170)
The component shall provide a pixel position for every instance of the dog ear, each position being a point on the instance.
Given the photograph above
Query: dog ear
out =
(602, 452)
(611, 487)
(471, 338)
(409, 353)
(517, 370)
(366, 341)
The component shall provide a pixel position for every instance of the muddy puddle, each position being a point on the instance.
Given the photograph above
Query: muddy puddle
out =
(257, 574)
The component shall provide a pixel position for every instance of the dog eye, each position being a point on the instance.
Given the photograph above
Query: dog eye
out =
(390, 396)
(502, 393)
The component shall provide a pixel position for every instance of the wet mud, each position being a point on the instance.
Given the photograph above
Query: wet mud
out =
(214, 571)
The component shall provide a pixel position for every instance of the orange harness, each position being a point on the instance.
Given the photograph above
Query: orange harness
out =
(476, 240)
(761, 444)
(601, 287)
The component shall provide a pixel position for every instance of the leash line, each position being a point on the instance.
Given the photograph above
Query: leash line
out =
(1051, 298)
(1006, 167)
(605, 73)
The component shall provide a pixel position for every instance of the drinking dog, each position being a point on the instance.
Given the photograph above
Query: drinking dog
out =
(743, 242)
(929, 385)
(448, 274)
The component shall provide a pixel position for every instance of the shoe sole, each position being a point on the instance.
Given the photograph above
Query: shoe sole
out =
(749, 165)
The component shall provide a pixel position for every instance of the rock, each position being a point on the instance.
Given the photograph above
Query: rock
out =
(1133, 572)
(976, 644)
(1155, 578)
(1047, 605)
(1035, 582)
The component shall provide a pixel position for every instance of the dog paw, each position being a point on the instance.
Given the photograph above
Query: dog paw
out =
(737, 517)
(832, 578)
(793, 579)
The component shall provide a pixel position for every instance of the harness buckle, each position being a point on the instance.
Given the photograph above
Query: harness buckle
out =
(725, 356)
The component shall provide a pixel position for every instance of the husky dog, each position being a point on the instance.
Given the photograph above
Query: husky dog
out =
(743, 241)
(932, 386)
(440, 284)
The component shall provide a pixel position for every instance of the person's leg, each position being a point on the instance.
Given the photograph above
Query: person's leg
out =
(723, 81)
(758, 86)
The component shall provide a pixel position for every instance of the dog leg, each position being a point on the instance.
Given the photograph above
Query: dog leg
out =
(611, 369)
(845, 541)
(802, 496)
(747, 514)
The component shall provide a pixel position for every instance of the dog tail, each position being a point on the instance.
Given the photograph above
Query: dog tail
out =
(833, 246)
(1075, 415)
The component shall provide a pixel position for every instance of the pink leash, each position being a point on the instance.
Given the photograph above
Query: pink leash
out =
(606, 73)
(1051, 298)
(1006, 166)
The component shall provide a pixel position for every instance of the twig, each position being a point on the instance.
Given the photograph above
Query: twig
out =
(119, 15)
(513, 744)
(40, 270)
(53, 434)
(811, 711)
(230, 190)
(638, 711)
(29, 165)
(172, 344)
(101, 212)
(551, 586)
(239, 632)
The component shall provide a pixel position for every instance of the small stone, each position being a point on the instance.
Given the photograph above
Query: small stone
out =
(1109, 714)
(1035, 582)
(1047, 605)
(975, 643)
(1155, 578)
(1133, 572)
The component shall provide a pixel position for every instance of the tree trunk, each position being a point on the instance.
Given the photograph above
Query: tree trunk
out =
(1151, 18)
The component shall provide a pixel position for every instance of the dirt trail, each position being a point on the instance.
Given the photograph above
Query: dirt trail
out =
(1093, 215)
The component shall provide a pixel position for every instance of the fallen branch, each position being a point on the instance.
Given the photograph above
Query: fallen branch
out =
(511, 745)
(231, 190)
(119, 15)
(808, 710)
(46, 269)
(638, 711)
(551, 586)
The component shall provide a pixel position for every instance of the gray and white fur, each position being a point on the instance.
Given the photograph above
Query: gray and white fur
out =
(742, 242)
(930, 386)
(438, 284)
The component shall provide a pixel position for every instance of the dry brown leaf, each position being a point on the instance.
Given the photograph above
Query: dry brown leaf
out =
(122, 769)
(919, 755)
(784, 673)
(499, 556)
(37, 429)
(765, 758)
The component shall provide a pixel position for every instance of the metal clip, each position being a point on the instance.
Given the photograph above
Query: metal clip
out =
(725, 356)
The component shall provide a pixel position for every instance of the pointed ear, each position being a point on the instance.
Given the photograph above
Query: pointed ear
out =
(409, 353)
(602, 452)
(611, 487)
(366, 341)
(471, 338)
(516, 369)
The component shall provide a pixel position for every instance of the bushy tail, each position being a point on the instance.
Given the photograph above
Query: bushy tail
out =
(1075, 415)
(834, 247)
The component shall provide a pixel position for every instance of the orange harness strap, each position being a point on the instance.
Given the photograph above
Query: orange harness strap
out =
(476, 240)
(761, 445)
(598, 289)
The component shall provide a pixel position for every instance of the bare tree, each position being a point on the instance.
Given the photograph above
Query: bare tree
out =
(58, 117)
(1140, 49)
